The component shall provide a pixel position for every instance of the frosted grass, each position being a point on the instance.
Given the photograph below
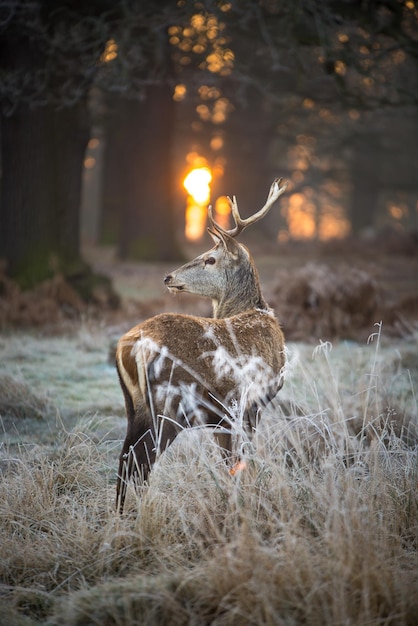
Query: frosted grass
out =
(318, 527)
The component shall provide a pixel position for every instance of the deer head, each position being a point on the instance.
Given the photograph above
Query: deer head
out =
(226, 273)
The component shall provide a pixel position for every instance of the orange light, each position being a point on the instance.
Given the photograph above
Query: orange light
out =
(89, 162)
(222, 211)
(238, 467)
(197, 185)
(300, 216)
(216, 143)
(195, 220)
(110, 52)
(180, 92)
(333, 225)
(305, 221)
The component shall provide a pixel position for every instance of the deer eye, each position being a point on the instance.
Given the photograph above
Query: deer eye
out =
(210, 260)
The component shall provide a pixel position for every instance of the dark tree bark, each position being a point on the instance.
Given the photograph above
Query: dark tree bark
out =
(364, 170)
(249, 169)
(42, 155)
(114, 178)
(137, 194)
(44, 134)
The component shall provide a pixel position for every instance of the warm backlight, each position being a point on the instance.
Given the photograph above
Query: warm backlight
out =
(305, 220)
(222, 212)
(197, 184)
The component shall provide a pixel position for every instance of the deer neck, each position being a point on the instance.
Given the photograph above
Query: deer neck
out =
(241, 293)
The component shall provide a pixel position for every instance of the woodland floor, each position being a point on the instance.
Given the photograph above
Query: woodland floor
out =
(56, 359)
(61, 405)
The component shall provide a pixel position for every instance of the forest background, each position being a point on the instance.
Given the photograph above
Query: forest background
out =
(130, 98)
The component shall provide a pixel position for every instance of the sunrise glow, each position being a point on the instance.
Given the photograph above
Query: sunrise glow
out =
(197, 185)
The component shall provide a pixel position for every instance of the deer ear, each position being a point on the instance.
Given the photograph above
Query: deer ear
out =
(229, 243)
(215, 236)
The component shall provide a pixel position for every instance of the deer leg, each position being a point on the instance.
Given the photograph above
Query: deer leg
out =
(138, 456)
(224, 441)
(124, 472)
(230, 457)
(138, 452)
(135, 462)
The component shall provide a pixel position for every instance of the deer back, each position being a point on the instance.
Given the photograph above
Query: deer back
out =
(191, 368)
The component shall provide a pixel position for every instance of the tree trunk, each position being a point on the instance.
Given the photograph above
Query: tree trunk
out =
(115, 163)
(42, 154)
(249, 169)
(364, 168)
(137, 193)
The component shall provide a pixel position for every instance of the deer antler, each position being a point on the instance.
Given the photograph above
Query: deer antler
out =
(275, 191)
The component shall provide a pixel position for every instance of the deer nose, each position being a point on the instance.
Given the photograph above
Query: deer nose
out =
(168, 279)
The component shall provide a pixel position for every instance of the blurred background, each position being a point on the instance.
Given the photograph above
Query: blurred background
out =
(122, 121)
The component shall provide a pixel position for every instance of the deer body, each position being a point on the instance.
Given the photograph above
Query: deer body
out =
(180, 370)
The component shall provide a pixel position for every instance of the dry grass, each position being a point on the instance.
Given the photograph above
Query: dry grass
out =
(340, 300)
(320, 528)
(318, 300)
(17, 399)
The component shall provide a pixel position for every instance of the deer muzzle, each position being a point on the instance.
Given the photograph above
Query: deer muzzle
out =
(169, 282)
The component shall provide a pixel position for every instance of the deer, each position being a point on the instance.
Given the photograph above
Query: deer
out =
(178, 370)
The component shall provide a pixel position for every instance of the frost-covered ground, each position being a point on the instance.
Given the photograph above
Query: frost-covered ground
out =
(319, 528)
(50, 385)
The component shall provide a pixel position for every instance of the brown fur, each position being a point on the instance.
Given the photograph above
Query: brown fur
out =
(179, 370)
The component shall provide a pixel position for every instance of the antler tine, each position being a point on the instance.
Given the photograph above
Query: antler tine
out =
(212, 224)
(275, 191)
(237, 217)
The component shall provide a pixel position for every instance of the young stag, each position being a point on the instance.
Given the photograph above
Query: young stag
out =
(179, 370)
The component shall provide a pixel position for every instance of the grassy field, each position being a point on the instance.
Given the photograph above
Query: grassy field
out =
(319, 528)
